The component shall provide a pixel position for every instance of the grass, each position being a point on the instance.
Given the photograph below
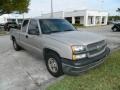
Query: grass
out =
(104, 77)
(3, 33)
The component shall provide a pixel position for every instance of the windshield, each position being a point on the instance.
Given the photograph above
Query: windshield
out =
(55, 25)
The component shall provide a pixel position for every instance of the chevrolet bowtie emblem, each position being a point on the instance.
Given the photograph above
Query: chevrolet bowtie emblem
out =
(98, 47)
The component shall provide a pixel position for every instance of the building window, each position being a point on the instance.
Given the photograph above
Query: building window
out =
(103, 20)
(77, 20)
(91, 20)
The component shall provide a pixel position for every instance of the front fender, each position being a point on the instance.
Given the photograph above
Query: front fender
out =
(64, 51)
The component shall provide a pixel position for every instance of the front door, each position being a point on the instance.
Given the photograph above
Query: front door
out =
(34, 37)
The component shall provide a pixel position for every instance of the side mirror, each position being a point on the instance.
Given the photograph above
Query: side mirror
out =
(33, 32)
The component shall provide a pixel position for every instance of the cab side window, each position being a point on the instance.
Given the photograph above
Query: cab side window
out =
(25, 25)
(33, 27)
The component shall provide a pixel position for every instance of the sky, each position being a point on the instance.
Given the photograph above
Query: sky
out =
(38, 7)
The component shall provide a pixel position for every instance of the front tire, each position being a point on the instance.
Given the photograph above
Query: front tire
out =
(54, 64)
(114, 29)
(16, 46)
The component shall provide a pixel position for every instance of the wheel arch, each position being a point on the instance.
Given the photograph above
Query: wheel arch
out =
(48, 50)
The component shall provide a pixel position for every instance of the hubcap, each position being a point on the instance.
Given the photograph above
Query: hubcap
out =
(52, 64)
(115, 29)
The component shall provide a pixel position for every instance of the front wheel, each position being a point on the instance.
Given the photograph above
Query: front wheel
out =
(16, 46)
(114, 29)
(54, 64)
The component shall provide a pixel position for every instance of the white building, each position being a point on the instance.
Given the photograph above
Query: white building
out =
(3, 18)
(85, 17)
(10, 17)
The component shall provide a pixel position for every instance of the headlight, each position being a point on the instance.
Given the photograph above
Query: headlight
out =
(78, 49)
(77, 57)
(78, 52)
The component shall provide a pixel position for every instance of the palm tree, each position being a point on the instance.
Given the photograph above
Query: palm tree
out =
(118, 10)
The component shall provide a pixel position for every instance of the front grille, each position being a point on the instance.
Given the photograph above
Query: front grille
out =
(96, 48)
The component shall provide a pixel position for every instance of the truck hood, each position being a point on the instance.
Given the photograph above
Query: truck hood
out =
(76, 37)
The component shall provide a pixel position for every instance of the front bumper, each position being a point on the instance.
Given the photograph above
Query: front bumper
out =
(76, 67)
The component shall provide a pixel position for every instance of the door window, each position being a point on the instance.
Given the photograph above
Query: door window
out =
(33, 28)
(25, 25)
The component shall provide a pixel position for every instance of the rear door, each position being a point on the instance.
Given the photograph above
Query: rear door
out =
(23, 34)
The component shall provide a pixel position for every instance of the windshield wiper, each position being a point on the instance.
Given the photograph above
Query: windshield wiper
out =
(51, 32)
(54, 31)
(68, 30)
(58, 31)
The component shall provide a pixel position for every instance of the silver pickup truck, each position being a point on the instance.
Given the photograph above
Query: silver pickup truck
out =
(64, 49)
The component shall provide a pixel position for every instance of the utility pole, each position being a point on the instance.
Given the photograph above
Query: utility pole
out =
(51, 8)
(101, 2)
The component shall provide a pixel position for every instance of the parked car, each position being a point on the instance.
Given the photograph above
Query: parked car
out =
(10, 25)
(116, 27)
(64, 49)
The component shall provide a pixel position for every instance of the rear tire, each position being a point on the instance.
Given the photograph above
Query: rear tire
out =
(54, 64)
(16, 46)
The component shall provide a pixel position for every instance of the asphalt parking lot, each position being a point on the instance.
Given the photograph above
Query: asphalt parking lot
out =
(20, 70)
(25, 71)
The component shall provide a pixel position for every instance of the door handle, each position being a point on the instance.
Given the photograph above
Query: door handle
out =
(26, 36)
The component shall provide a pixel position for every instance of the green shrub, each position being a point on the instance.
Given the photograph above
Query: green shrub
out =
(78, 25)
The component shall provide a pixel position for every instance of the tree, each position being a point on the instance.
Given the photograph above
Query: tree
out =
(14, 6)
(118, 10)
(111, 18)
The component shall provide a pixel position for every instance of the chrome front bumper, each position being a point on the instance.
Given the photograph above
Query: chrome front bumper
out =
(76, 67)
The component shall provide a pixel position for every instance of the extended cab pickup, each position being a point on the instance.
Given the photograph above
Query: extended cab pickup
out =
(64, 49)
